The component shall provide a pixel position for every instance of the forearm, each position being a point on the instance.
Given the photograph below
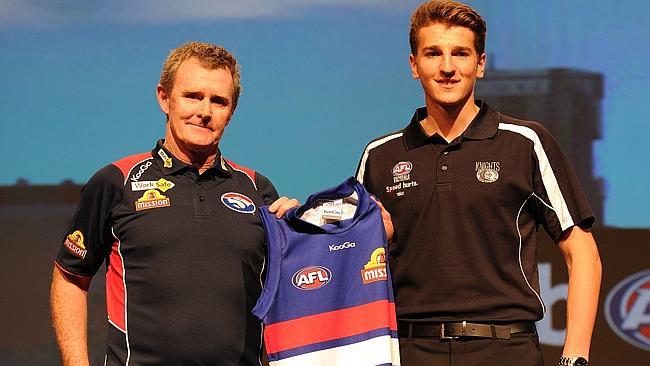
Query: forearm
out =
(69, 315)
(582, 303)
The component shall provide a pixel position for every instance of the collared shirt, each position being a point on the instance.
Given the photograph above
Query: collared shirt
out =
(184, 254)
(466, 215)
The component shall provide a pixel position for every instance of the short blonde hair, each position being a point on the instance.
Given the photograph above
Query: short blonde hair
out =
(209, 56)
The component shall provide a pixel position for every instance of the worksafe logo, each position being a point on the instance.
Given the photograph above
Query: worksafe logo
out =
(151, 199)
(238, 202)
(375, 269)
(401, 171)
(627, 309)
(162, 184)
(75, 244)
(487, 171)
(311, 278)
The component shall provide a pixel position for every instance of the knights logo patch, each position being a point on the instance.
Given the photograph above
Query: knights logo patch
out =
(487, 171)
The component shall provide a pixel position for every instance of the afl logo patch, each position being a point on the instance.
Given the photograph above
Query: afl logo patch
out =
(627, 309)
(401, 171)
(401, 168)
(238, 202)
(311, 278)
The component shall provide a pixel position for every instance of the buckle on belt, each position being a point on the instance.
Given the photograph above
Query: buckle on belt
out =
(444, 336)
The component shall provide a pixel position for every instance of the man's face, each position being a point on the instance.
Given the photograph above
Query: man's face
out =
(199, 106)
(447, 64)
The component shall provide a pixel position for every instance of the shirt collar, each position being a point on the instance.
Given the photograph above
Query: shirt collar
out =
(484, 126)
(170, 164)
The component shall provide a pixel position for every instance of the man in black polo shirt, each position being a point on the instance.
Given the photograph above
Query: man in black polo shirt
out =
(467, 188)
(179, 231)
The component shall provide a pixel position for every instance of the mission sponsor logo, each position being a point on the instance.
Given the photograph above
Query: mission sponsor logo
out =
(162, 184)
(375, 269)
(311, 278)
(487, 171)
(74, 243)
(627, 309)
(346, 245)
(401, 171)
(141, 169)
(238, 202)
(151, 199)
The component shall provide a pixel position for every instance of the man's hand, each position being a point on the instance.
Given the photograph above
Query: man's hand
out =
(388, 223)
(282, 205)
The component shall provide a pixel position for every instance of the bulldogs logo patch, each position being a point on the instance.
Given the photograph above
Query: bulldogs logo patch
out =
(627, 309)
(238, 202)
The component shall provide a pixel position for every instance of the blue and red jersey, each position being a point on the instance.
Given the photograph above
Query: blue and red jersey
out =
(327, 298)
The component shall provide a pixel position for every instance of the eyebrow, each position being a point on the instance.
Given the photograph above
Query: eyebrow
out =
(457, 48)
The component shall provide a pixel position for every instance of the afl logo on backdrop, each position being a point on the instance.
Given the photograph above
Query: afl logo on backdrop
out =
(627, 309)
(311, 278)
(238, 202)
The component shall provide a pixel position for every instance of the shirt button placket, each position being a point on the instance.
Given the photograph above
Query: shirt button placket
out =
(201, 204)
(444, 162)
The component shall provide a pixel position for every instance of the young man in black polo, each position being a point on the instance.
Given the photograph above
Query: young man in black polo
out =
(467, 188)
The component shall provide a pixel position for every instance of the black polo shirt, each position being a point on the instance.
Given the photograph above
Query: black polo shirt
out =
(184, 254)
(466, 214)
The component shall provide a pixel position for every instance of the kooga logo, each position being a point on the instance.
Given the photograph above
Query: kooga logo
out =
(345, 245)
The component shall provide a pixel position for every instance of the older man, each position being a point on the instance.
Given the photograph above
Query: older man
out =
(177, 229)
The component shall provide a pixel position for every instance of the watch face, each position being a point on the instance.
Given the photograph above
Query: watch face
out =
(581, 362)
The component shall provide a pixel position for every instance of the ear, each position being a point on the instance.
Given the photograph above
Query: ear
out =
(414, 66)
(163, 99)
(480, 71)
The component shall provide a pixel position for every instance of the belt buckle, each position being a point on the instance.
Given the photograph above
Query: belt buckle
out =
(446, 337)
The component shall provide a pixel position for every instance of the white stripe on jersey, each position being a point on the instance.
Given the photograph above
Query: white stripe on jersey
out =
(375, 351)
(372, 145)
(548, 177)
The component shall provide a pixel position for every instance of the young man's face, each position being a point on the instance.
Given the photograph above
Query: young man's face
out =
(199, 106)
(447, 64)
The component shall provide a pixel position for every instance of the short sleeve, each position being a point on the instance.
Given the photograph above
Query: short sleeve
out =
(89, 238)
(561, 202)
(266, 189)
(363, 169)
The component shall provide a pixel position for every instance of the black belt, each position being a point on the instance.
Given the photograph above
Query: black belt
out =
(459, 330)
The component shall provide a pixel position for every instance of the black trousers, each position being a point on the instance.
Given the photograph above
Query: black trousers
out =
(522, 349)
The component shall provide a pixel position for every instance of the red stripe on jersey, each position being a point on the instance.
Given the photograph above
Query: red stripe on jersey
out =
(249, 172)
(115, 291)
(329, 326)
(126, 164)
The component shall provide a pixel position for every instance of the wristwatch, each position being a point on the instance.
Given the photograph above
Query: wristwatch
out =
(573, 361)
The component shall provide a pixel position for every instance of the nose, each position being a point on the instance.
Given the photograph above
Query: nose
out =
(447, 66)
(205, 111)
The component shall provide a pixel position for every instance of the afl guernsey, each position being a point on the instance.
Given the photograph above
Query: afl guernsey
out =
(327, 299)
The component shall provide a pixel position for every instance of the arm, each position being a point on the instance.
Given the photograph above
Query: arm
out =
(68, 301)
(583, 262)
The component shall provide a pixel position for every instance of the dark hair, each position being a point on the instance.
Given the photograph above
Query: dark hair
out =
(449, 13)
